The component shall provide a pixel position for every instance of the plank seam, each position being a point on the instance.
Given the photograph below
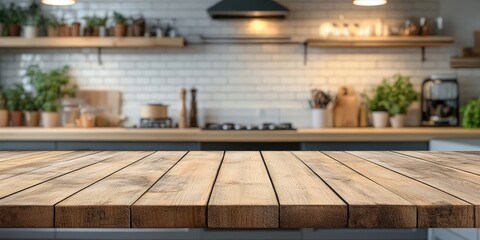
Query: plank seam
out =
(273, 186)
(54, 205)
(148, 189)
(63, 174)
(474, 205)
(213, 186)
(331, 188)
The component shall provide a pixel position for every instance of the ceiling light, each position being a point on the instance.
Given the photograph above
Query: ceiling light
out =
(59, 2)
(369, 3)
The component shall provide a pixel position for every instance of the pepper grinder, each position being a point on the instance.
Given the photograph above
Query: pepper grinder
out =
(193, 109)
(182, 122)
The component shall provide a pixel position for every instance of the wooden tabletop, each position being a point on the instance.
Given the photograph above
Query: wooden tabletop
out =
(198, 135)
(240, 189)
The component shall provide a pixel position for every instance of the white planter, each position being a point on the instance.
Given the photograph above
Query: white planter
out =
(320, 118)
(398, 121)
(380, 119)
(50, 119)
(30, 31)
(102, 31)
(3, 118)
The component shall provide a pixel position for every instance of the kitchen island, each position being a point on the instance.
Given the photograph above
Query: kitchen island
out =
(197, 139)
(238, 190)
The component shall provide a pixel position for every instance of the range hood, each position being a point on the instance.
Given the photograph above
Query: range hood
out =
(247, 9)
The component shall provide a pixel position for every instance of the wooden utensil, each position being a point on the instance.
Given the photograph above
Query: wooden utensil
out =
(108, 101)
(193, 109)
(182, 122)
(346, 107)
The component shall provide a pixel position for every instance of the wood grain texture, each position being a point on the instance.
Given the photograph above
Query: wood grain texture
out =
(22, 181)
(369, 204)
(9, 155)
(305, 200)
(180, 197)
(466, 162)
(30, 163)
(460, 184)
(436, 209)
(390, 41)
(34, 207)
(106, 204)
(86, 42)
(243, 196)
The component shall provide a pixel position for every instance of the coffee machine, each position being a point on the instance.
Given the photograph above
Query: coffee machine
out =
(440, 101)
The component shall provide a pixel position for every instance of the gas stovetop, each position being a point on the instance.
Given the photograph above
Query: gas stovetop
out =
(248, 127)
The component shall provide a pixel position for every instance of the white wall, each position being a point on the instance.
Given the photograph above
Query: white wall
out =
(243, 83)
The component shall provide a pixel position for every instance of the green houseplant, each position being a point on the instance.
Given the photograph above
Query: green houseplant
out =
(401, 94)
(471, 114)
(30, 110)
(33, 19)
(53, 26)
(3, 111)
(3, 17)
(377, 105)
(14, 104)
(120, 24)
(102, 26)
(91, 28)
(50, 86)
(14, 18)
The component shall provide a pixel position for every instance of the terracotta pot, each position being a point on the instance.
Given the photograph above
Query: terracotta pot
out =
(32, 119)
(64, 30)
(75, 31)
(120, 30)
(3, 118)
(398, 121)
(14, 30)
(380, 119)
(50, 119)
(16, 118)
(52, 31)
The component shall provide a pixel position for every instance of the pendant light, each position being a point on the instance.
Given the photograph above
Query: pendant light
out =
(369, 3)
(59, 2)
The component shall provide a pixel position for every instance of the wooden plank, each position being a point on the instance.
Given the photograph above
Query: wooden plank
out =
(30, 163)
(460, 184)
(34, 207)
(13, 155)
(22, 181)
(86, 42)
(369, 204)
(243, 196)
(106, 204)
(180, 197)
(305, 200)
(390, 41)
(436, 209)
(455, 160)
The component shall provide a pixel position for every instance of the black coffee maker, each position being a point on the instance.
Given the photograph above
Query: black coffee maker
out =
(440, 101)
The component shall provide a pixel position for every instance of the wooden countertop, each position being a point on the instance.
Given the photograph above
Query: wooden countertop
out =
(197, 135)
(240, 189)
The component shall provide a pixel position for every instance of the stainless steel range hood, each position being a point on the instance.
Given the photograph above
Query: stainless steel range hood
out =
(247, 9)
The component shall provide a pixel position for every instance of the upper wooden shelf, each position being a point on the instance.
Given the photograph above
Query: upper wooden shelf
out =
(90, 42)
(391, 41)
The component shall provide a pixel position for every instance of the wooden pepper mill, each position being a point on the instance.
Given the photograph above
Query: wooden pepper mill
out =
(182, 122)
(193, 109)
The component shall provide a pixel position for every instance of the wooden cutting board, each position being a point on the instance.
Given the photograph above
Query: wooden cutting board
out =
(109, 101)
(346, 107)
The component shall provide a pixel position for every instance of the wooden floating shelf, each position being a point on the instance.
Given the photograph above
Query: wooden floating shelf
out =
(392, 41)
(90, 42)
(465, 62)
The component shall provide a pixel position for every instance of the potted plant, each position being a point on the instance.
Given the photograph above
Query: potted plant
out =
(102, 26)
(50, 87)
(3, 16)
(3, 111)
(377, 105)
(138, 25)
(53, 26)
(30, 110)
(14, 104)
(471, 114)
(120, 24)
(401, 95)
(14, 18)
(33, 20)
(321, 116)
(91, 26)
